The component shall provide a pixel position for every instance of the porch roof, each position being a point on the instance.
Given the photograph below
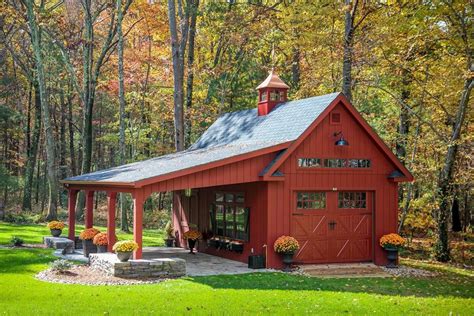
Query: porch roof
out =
(233, 134)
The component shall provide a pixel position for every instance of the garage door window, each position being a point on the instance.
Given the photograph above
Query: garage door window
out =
(352, 200)
(311, 200)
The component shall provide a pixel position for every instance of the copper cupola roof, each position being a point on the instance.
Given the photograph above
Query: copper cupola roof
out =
(273, 81)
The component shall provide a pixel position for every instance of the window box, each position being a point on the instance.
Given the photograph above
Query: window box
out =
(236, 246)
(213, 243)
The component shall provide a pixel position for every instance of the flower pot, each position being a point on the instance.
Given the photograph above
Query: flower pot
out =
(392, 256)
(124, 256)
(56, 232)
(191, 244)
(101, 248)
(169, 242)
(287, 260)
(88, 247)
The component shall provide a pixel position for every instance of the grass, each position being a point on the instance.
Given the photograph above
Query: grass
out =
(33, 234)
(257, 293)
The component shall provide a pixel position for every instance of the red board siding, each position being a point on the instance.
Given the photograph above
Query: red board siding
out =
(238, 172)
(320, 144)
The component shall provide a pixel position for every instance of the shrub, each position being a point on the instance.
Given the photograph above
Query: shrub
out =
(125, 246)
(392, 241)
(60, 265)
(192, 234)
(286, 245)
(89, 233)
(100, 239)
(55, 225)
(16, 241)
(22, 218)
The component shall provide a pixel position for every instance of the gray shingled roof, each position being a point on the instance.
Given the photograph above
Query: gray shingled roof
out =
(232, 134)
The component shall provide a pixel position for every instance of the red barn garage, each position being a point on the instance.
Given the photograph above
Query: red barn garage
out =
(310, 168)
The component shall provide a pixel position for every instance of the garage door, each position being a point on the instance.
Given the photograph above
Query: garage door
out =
(332, 226)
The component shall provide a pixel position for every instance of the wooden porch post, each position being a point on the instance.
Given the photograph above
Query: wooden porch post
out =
(138, 222)
(111, 200)
(71, 207)
(89, 220)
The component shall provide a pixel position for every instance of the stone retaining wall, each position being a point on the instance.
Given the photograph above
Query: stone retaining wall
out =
(152, 268)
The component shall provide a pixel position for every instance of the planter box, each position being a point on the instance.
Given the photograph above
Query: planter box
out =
(213, 243)
(256, 262)
(236, 247)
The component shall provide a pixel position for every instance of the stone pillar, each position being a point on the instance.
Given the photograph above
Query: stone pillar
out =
(71, 207)
(138, 221)
(111, 200)
(89, 218)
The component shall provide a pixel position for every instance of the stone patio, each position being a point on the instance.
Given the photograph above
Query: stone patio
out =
(199, 264)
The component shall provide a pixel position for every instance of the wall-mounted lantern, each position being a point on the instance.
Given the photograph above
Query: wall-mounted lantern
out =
(341, 141)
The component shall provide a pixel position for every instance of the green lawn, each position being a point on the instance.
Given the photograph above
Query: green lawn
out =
(263, 293)
(32, 234)
(256, 293)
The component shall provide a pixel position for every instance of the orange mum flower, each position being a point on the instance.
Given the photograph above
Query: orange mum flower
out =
(392, 241)
(89, 233)
(192, 234)
(286, 244)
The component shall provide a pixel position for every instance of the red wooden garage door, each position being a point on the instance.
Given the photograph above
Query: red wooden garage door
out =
(332, 226)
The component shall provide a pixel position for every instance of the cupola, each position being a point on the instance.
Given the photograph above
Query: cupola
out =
(271, 92)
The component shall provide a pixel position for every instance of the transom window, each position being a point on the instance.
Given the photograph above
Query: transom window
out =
(311, 200)
(352, 200)
(229, 217)
(333, 163)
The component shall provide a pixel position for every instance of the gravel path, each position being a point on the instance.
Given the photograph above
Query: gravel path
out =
(82, 274)
(404, 271)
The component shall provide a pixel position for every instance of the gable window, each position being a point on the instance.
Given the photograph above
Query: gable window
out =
(229, 216)
(275, 95)
(352, 200)
(309, 162)
(333, 163)
(311, 200)
(263, 96)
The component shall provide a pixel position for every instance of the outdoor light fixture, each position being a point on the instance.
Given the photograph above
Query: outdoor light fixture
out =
(341, 141)
(188, 192)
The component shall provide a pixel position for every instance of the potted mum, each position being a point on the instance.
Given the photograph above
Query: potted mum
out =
(169, 231)
(391, 243)
(101, 241)
(87, 235)
(124, 249)
(286, 246)
(56, 228)
(192, 236)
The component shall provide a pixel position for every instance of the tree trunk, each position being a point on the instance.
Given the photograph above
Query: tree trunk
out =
(190, 80)
(72, 153)
(50, 146)
(442, 252)
(123, 210)
(32, 152)
(177, 51)
(348, 47)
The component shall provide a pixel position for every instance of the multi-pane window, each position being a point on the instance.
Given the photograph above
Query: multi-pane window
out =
(311, 200)
(275, 95)
(352, 200)
(309, 162)
(263, 96)
(229, 216)
(333, 163)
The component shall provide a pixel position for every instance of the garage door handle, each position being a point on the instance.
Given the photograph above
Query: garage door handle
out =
(298, 214)
(332, 225)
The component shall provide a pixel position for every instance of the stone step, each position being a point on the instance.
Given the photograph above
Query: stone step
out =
(59, 243)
